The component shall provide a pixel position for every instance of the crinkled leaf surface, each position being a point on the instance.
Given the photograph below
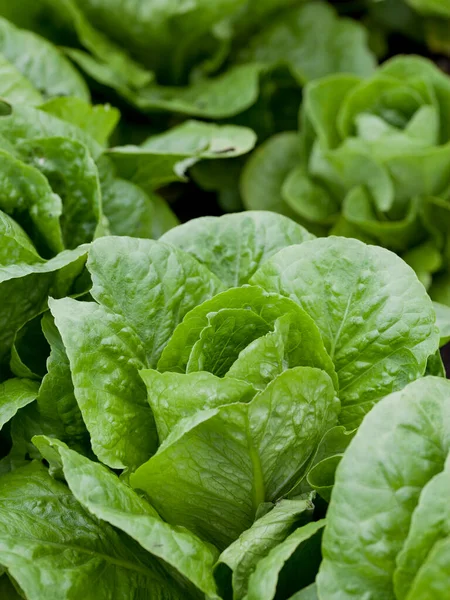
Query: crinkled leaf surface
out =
(380, 519)
(173, 396)
(104, 495)
(105, 355)
(215, 468)
(376, 320)
(303, 345)
(234, 246)
(55, 549)
(150, 284)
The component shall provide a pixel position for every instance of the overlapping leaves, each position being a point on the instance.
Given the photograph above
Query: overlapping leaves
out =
(219, 381)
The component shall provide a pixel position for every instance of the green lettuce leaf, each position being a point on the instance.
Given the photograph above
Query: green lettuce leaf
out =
(54, 548)
(41, 63)
(292, 37)
(14, 395)
(166, 157)
(105, 496)
(238, 562)
(344, 287)
(105, 355)
(221, 464)
(157, 303)
(174, 397)
(385, 523)
(24, 289)
(234, 246)
(303, 346)
(291, 564)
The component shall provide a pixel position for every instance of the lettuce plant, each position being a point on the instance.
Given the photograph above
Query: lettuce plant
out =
(219, 371)
(202, 59)
(387, 524)
(34, 70)
(372, 161)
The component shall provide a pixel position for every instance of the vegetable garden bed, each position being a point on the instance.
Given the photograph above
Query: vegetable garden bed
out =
(224, 300)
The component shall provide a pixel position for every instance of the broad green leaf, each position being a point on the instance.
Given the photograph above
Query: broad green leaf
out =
(376, 320)
(174, 397)
(39, 61)
(356, 168)
(292, 38)
(322, 100)
(234, 246)
(429, 528)
(237, 563)
(27, 193)
(291, 564)
(62, 20)
(56, 399)
(55, 549)
(413, 427)
(27, 123)
(418, 68)
(166, 157)
(16, 245)
(24, 289)
(433, 576)
(15, 87)
(214, 469)
(309, 199)
(265, 172)
(304, 346)
(219, 97)
(151, 33)
(399, 234)
(150, 284)
(14, 395)
(72, 175)
(99, 121)
(105, 355)
(128, 208)
(105, 496)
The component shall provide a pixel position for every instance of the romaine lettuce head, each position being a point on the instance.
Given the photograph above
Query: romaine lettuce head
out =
(373, 162)
(198, 58)
(222, 370)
